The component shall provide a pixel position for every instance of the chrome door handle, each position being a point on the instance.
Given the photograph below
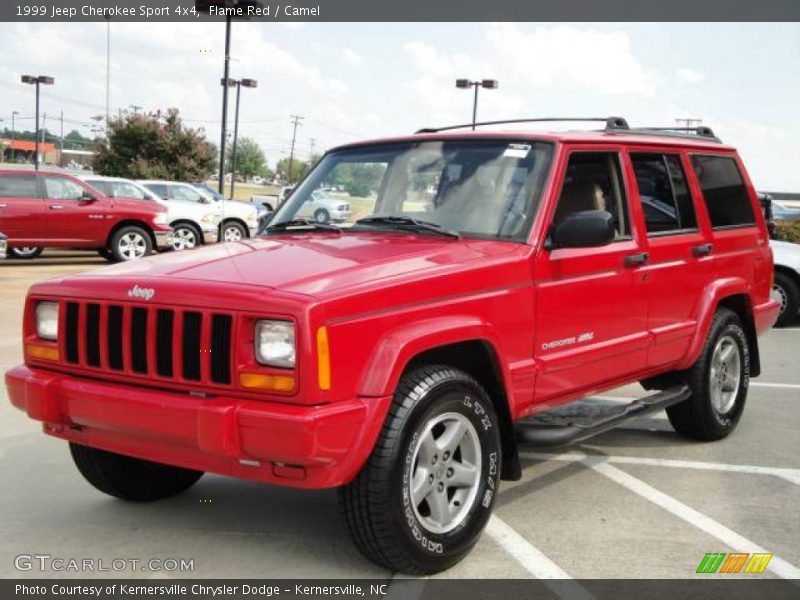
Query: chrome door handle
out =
(56, 206)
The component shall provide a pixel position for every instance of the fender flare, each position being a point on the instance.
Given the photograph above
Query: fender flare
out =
(712, 296)
(398, 347)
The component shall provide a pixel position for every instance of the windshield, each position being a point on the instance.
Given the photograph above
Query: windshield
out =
(473, 187)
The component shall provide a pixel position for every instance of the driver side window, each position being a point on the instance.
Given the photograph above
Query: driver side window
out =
(593, 181)
(60, 188)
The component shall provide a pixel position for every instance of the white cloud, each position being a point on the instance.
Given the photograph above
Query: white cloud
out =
(688, 75)
(353, 58)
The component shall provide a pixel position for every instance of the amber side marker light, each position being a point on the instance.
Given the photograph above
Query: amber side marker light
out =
(259, 381)
(42, 352)
(323, 359)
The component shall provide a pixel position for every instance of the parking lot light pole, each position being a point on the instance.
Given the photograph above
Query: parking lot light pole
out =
(37, 81)
(240, 83)
(489, 84)
(14, 114)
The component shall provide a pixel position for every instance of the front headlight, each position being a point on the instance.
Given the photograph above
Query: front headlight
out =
(161, 219)
(275, 343)
(47, 320)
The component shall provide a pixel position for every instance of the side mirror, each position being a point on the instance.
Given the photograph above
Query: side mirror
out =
(86, 198)
(583, 229)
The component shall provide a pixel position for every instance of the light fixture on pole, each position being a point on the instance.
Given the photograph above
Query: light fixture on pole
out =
(239, 83)
(489, 84)
(37, 81)
(204, 6)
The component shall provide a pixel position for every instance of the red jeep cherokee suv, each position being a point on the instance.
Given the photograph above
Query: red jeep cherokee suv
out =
(43, 209)
(482, 280)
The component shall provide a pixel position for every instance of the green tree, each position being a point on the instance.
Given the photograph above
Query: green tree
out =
(155, 146)
(250, 159)
(299, 169)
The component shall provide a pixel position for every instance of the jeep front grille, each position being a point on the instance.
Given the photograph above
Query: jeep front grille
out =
(190, 346)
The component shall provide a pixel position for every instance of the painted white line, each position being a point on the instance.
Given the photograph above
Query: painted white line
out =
(788, 386)
(791, 475)
(534, 560)
(727, 536)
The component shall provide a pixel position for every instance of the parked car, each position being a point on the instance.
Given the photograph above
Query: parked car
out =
(193, 224)
(403, 358)
(325, 208)
(208, 190)
(782, 213)
(238, 220)
(3, 245)
(46, 209)
(786, 285)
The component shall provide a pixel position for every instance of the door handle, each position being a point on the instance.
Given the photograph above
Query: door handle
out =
(56, 206)
(3, 205)
(702, 250)
(634, 260)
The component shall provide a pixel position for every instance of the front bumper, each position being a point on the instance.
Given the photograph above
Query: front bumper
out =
(164, 239)
(300, 446)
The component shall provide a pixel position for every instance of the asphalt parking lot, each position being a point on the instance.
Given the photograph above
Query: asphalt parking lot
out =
(637, 502)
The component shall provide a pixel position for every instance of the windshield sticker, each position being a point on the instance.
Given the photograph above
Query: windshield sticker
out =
(517, 151)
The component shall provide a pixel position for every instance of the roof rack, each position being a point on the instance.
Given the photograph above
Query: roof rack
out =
(612, 124)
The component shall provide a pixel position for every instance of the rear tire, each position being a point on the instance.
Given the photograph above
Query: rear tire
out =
(719, 381)
(25, 252)
(131, 478)
(425, 494)
(787, 292)
(130, 243)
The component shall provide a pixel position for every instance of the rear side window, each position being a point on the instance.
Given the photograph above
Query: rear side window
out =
(157, 188)
(666, 200)
(18, 186)
(723, 190)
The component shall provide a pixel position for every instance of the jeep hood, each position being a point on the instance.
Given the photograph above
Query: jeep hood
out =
(316, 264)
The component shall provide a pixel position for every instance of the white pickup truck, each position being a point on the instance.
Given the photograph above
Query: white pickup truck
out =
(786, 288)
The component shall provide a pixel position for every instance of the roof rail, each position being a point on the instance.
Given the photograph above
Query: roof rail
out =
(612, 123)
(701, 131)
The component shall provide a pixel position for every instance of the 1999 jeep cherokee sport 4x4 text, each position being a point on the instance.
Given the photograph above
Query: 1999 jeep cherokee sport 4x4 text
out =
(481, 280)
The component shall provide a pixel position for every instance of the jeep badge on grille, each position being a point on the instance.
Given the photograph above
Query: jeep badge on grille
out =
(144, 293)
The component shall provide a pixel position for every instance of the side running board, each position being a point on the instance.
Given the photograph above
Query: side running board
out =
(572, 424)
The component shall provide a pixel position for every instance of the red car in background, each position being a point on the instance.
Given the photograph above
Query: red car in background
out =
(41, 209)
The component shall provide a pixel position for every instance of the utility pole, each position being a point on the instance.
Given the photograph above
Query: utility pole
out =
(61, 143)
(44, 134)
(313, 145)
(108, 69)
(135, 108)
(689, 123)
(295, 119)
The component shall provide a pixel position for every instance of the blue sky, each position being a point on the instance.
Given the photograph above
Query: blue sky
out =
(363, 80)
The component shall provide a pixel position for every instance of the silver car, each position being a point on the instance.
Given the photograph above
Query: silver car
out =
(193, 224)
(325, 208)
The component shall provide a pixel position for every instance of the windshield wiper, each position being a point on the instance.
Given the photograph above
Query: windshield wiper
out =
(407, 224)
(302, 224)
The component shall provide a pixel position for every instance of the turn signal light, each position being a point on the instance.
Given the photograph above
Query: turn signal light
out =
(260, 381)
(42, 352)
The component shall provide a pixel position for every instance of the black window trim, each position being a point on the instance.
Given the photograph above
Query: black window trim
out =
(752, 225)
(663, 154)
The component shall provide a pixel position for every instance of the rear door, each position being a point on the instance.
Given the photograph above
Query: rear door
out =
(679, 264)
(22, 210)
(72, 219)
(591, 321)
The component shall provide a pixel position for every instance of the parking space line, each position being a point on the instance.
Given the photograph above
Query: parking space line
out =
(790, 386)
(730, 538)
(534, 560)
(790, 475)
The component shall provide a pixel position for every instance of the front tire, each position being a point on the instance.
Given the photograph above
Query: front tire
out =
(186, 237)
(787, 292)
(425, 494)
(25, 252)
(232, 232)
(719, 381)
(131, 478)
(322, 216)
(130, 243)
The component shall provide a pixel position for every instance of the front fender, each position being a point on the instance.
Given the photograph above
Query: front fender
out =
(399, 346)
(709, 301)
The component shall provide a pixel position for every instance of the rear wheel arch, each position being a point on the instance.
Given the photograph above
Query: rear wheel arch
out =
(196, 226)
(742, 306)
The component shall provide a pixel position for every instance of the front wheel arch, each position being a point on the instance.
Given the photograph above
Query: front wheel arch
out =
(132, 223)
